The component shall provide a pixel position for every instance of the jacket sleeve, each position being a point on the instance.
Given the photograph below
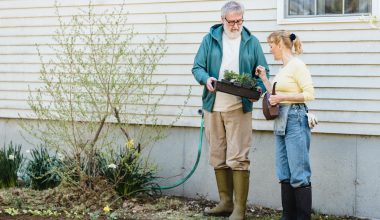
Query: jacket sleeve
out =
(260, 60)
(199, 69)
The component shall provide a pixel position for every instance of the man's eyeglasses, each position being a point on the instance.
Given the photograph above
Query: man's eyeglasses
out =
(232, 23)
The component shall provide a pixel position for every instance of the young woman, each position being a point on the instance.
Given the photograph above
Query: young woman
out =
(291, 128)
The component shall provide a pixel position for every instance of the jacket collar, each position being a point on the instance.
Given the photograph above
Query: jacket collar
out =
(216, 32)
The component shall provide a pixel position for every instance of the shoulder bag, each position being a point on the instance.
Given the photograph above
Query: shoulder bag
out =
(270, 111)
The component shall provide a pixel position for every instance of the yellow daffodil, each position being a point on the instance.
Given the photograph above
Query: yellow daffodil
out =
(106, 209)
(130, 144)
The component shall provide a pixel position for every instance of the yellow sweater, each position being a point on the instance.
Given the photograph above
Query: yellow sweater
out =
(293, 79)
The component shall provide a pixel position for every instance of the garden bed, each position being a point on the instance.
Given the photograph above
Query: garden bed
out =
(145, 207)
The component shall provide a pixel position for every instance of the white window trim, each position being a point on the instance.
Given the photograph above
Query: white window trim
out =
(281, 19)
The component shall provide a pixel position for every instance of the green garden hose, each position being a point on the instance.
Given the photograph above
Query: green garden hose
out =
(183, 180)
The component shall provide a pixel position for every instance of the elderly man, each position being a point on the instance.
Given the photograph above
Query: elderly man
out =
(228, 118)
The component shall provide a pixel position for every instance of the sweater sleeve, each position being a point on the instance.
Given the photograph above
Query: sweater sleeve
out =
(303, 78)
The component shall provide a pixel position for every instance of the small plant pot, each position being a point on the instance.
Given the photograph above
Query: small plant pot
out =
(238, 84)
(226, 81)
(237, 89)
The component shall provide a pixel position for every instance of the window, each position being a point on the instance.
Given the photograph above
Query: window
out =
(297, 8)
(300, 11)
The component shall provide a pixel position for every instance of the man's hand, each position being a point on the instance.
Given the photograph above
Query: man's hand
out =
(312, 120)
(209, 85)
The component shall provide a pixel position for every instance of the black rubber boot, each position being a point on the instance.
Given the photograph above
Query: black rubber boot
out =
(288, 199)
(303, 202)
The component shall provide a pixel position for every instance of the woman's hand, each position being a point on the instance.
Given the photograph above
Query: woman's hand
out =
(261, 72)
(275, 99)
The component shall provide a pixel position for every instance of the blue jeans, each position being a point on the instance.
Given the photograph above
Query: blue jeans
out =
(292, 149)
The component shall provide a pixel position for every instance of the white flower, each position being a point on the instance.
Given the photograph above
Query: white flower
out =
(27, 151)
(11, 157)
(60, 156)
(112, 165)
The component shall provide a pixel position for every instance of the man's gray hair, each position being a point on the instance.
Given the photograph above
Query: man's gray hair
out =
(232, 6)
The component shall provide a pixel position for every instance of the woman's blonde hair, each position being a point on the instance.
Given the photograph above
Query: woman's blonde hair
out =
(290, 40)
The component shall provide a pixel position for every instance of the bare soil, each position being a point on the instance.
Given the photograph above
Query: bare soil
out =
(154, 208)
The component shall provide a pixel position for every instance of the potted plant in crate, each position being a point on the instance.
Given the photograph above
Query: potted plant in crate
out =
(238, 84)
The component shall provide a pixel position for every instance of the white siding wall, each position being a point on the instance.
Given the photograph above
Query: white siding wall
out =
(344, 58)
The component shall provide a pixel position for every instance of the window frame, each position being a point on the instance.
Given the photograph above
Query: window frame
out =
(282, 19)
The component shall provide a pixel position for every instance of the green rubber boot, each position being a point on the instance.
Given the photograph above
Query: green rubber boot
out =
(225, 188)
(241, 187)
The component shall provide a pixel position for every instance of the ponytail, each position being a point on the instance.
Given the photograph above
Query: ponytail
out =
(290, 40)
(297, 46)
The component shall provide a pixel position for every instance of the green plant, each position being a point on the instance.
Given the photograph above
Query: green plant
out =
(112, 216)
(98, 80)
(11, 211)
(230, 75)
(94, 215)
(43, 169)
(130, 173)
(18, 202)
(46, 212)
(10, 163)
(244, 79)
(73, 215)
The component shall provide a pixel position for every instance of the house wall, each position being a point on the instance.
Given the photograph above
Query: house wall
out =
(343, 58)
(345, 169)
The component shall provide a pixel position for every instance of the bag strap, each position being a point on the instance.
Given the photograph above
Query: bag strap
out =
(274, 88)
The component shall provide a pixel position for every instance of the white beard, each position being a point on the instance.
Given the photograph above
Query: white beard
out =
(233, 35)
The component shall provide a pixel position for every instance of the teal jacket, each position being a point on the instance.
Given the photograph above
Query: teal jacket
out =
(208, 60)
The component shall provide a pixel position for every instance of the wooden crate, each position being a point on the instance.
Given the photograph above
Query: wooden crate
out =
(232, 89)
